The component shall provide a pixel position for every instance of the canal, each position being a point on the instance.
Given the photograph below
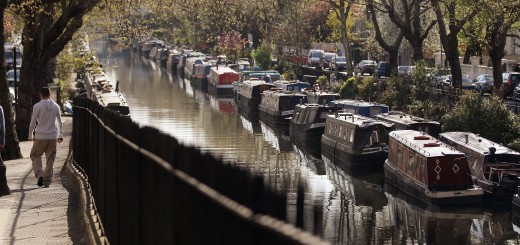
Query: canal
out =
(342, 208)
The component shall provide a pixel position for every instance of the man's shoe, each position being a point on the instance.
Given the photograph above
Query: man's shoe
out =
(40, 182)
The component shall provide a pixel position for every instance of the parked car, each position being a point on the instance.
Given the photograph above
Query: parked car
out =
(313, 59)
(484, 83)
(404, 70)
(365, 66)
(446, 82)
(383, 69)
(516, 93)
(512, 79)
(326, 59)
(339, 63)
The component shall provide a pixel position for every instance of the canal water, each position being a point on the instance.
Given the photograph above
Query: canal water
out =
(339, 207)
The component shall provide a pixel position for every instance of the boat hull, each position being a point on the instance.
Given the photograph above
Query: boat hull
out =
(273, 118)
(306, 133)
(220, 90)
(371, 158)
(439, 198)
(497, 194)
(200, 83)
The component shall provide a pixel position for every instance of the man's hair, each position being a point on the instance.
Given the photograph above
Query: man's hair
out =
(45, 91)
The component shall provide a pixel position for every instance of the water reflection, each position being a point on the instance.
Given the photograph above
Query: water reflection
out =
(342, 207)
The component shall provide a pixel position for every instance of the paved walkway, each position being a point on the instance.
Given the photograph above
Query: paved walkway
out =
(33, 215)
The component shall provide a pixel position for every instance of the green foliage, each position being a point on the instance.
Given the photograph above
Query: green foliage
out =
(262, 55)
(349, 89)
(397, 94)
(421, 80)
(335, 87)
(322, 81)
(367, 89)
(288, 73)
(427, 109)
(487, 116)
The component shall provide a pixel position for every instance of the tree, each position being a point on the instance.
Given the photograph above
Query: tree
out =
(342, 10)
(262, 56)
(499, 17)
(11, 142)
(455, 13)
(49, 26)
(231, 44)
(408, 17)
(392, 49)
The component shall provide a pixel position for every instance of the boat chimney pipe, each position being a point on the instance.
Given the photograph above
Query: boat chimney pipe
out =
(467, 138)
(117, 86)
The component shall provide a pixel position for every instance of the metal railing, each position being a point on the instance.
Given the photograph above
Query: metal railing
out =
(150, 189)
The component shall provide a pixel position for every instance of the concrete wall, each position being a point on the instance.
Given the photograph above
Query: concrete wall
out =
(474, 69)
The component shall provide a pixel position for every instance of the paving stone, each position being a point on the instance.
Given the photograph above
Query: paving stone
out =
(34, 215)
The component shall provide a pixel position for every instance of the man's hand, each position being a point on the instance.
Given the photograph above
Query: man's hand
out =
(2, 146)
(60, 140)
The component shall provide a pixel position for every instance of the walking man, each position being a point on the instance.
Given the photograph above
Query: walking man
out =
(45, 132)
(4, 189)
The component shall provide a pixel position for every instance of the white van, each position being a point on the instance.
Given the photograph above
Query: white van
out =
(314, 56)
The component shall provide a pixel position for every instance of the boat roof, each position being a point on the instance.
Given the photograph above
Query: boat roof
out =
(477, 143)
(269, 72)
(357, 119)
(403, 118)
(356, 103)
(223, 69)
(408, 138)
(280, 93)
(111, 98)
(313, 105)
(254, 82)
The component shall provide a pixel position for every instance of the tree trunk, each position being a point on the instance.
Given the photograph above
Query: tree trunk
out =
(12, 148)
(496, 56)
(344, 39)
(452, 56)
(393, 56)
(417, 46)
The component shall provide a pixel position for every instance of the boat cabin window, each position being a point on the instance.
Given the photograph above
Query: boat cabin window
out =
(375, 110)
(411, 162)
(351, 132)
(399, 156)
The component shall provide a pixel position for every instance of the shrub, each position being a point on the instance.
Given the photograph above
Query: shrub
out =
(428, 109)
(488, 116)
(322, 81)
(421, 81)
(262, 56)
(397, 94)
(367, 89)
(349, 88)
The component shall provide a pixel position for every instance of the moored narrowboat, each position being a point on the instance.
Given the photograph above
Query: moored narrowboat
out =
(221, 80)
(367, 109)
(430, 170)
(308, 123)
(355, 141)
(321, 97)
(276, 107)
(294, 86)
(199, 77)
(249, 95)
(494, 168)
(403, 121)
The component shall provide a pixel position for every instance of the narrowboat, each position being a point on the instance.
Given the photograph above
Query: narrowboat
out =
(221, 80)
(199, 77)
(277, 107)
(269, 76)
(294, 86)
(242, 65)
(113, 100)
(367, 109)
(320, 97)
(173, 60)
(430, 170)
(494, 168)
(403, 121)
(249, 95)
(153, 52)
(190, 66)
(355, 141)
(307, 124)
(148, 45)
(182, 59)
(162, 56)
